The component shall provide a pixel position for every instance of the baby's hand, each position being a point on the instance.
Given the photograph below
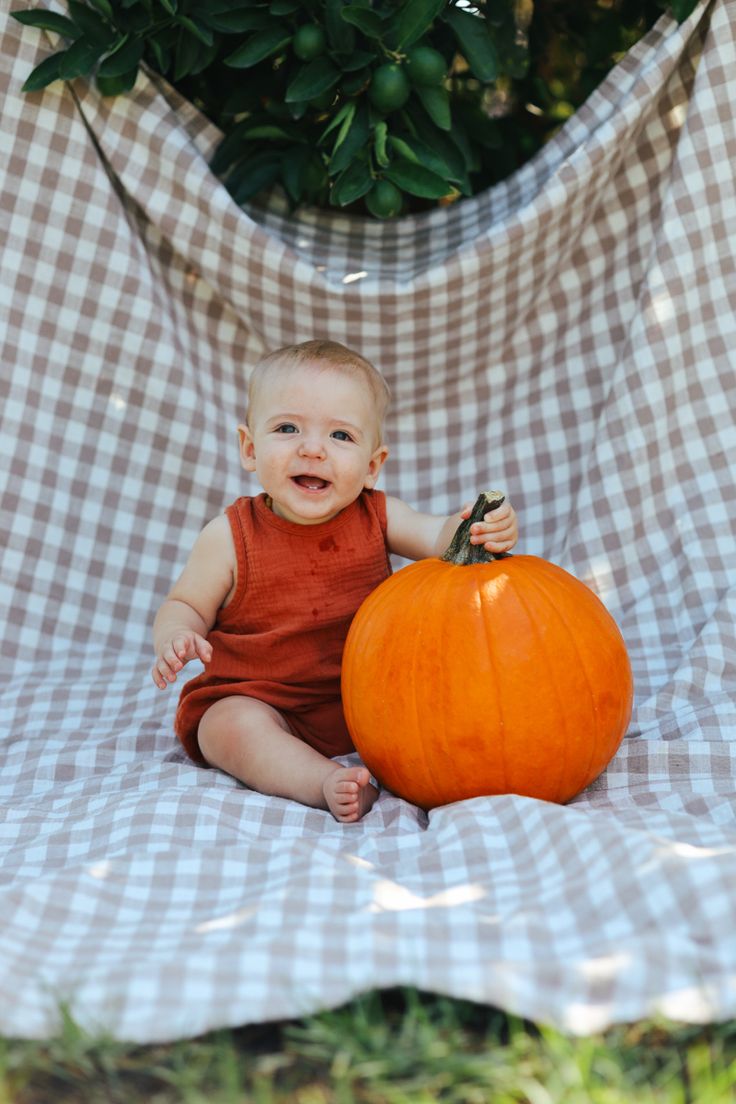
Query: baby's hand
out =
(498, 532)
(183, 647)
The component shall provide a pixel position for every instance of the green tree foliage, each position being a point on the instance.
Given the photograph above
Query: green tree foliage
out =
(377, 106)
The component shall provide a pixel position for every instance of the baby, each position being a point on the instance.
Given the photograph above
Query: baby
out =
(271, 586)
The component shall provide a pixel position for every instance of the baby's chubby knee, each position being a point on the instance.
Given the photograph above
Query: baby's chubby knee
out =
(231, 725)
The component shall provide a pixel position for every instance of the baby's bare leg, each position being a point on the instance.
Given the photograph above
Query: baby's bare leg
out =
(251, 741)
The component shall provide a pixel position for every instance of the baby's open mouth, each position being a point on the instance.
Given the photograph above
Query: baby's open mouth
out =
(311, 482)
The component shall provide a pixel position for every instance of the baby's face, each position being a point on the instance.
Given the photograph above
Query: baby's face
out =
(311, 440)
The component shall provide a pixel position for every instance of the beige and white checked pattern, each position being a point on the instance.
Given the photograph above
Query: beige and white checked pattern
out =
(570, 336)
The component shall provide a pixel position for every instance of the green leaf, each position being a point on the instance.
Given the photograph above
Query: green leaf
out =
(345, 129)
(436, 103)
(475, 43)
(298, 110)
(467, 148)
(262, 45)
(355, 140)
(404, 150)
(202, 33)
(161, 54)
(293, 171)
(354, 183)
(244, 19)
(125, 57)
(104, 7)
(413, 19)
(285, 7)
(312, 80)
(380, 135)
(354, 83)
(425, 135)
(93, 27)
(413, 149)
(187, 55)
(114, 86)
(357, 60)
(416, 180)
(340, 33)
(79, 60)
(271, 131)
(45, 73)
(346, 112)
(303, 175)
(230, 149)
(47, 21)
(207, 55)
(365, 19)
(255, 174)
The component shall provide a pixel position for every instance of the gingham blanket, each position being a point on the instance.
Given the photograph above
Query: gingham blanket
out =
(568, 336)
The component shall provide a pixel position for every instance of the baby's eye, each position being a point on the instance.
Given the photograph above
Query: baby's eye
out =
(342, 435)
(287, 427)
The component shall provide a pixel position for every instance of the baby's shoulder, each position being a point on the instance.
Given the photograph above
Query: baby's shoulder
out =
(218, 526)
(216, 539)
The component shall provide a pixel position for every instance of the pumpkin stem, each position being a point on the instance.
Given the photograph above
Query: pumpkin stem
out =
(461, 551)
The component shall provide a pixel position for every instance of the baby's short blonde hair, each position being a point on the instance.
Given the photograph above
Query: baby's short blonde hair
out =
(327, 354)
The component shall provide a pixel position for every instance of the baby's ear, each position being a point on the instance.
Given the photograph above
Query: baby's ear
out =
(375, 464)
(247, 448)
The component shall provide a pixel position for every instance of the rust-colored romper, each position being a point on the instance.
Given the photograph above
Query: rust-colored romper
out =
(281, 636)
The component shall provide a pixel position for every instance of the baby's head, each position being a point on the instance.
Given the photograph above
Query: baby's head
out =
(327, 356)
(313, 434)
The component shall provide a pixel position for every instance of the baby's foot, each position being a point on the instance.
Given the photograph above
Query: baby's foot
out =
(349, 793)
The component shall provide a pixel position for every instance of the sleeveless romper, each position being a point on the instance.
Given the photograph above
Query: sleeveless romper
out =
(281, 637)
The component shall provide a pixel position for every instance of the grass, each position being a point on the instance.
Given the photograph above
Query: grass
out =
(394, 1047)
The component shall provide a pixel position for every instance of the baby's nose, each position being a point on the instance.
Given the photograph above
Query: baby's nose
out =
(312, 446)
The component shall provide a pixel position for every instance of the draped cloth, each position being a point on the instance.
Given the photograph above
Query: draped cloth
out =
(567, 335)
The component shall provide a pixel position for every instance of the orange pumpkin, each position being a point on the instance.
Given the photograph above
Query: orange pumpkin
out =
(463, 678)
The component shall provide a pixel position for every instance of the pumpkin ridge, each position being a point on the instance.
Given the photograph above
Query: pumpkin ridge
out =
(392, 643)
(527, 578)
(427, 583)
(395, 660)
(599, 612)
(574, 643)
(499, 696)
(442, 592)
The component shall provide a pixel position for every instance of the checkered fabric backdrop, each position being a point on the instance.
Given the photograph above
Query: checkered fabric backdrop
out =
(568, 335)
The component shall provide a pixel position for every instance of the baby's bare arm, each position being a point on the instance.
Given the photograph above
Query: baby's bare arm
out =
(186, 616)
(416, 535)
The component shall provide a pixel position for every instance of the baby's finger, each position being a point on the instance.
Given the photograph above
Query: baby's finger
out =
(164, 672)
(509, 537)
(498, 544)
(490, 532)
(158, 678)
(172, 662)
(183, 648)
(466, 510)
(492, 525)
(501, 513)
(507, 526)
(203, 649)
